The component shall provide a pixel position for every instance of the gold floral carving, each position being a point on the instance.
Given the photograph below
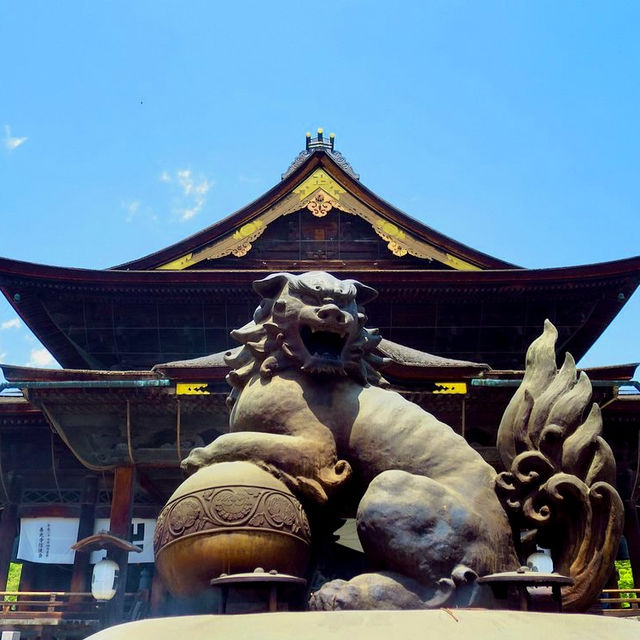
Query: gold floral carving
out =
(319, 194)
(321, 204)
(242, 250)
(396, 249)
(393, 236)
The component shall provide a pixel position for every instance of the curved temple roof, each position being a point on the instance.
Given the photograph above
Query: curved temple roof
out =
(436, 294)
(319, 180)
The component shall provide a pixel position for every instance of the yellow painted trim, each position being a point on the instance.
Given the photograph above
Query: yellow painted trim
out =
(390, 229)
(460, 265)
(320, 193)
(192, 389)
(248, 229)
(451, 387)
(179, 263)
(319, 179)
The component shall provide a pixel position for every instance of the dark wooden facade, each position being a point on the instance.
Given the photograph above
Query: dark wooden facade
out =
(436, 296)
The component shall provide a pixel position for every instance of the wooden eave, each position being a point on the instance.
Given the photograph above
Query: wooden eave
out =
(318, 160)
(14, 373)
(620, 278)
(17, 272)
(607, 373)
(16, 405)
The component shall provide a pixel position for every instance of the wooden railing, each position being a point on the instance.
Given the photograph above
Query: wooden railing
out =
(620, 602)
(53, 605)
(47, 604)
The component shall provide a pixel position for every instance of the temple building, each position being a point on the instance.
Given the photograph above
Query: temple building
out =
(98, 444)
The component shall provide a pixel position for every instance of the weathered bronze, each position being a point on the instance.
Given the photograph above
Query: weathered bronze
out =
(308, 405)
(229, 518)
(559, 483)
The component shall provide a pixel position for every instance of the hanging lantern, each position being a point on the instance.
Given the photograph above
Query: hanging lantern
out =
(540, 561)
(104, 580)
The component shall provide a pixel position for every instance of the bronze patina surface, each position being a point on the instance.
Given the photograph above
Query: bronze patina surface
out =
(229, 518)
(308, 404)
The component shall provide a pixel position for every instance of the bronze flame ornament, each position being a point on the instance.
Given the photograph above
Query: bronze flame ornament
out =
(230, 517)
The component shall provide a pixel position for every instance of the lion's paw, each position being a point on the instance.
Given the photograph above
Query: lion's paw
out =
(334, 596)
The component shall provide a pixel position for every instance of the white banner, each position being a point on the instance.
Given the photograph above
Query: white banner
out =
(49, 540)
(142, 530)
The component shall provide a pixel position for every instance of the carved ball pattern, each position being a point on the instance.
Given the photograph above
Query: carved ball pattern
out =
(228, 507)
(212, 525)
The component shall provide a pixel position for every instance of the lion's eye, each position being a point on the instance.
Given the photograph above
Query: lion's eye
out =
(310, 300)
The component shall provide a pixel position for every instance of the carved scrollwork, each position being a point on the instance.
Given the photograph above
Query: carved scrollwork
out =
(242, 250)
(321, 204)
(393, 236)
(231, 507)
(560, 472)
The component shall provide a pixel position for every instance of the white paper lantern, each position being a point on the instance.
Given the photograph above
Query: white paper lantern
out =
(104, 580)
(540, 561)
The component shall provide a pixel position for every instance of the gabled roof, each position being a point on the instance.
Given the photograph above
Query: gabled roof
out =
(319, 180)
(471, 306)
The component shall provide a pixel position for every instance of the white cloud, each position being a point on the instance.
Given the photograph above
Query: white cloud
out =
(193, 189)
(40, 358)
(10, 324)
(136, 210)
(132, 208)
(2, 356)
(190, 186)
(188, 213)
(11, 142)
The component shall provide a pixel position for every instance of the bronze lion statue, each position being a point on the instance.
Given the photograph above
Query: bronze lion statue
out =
(308, 404)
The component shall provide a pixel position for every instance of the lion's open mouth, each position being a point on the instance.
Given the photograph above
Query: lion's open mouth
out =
(324, 344)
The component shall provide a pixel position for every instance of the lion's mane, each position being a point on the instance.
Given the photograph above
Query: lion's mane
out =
(265, 351)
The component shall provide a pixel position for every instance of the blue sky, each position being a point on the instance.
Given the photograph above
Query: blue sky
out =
(510, 126)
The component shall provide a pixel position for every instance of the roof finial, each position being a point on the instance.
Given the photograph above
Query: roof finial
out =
(320, 142)
(316, 144)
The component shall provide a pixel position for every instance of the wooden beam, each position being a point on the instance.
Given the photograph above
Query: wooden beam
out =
(80, 573)
(120, 525)
(9, 530)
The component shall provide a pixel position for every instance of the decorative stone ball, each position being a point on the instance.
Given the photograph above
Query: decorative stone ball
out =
(229, 517)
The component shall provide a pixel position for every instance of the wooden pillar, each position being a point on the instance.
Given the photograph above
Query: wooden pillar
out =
(80, 573)
(9, 530)
(632, 535)
(120, 525)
